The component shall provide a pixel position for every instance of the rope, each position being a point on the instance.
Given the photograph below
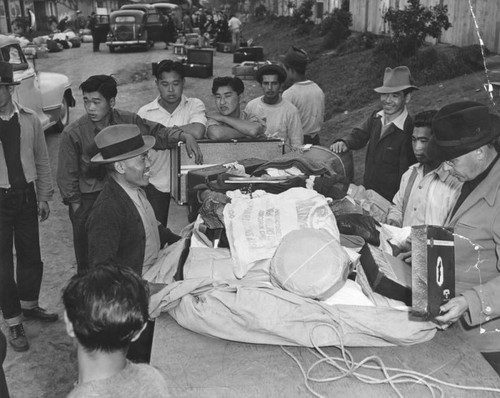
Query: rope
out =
(346, 366)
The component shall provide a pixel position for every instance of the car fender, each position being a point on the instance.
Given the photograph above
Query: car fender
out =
(54, 86)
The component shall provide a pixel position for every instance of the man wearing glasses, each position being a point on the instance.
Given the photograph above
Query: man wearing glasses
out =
(466, 137)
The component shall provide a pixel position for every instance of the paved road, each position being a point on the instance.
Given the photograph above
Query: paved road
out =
(48, 369)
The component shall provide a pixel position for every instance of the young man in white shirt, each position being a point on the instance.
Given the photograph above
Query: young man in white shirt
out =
(235, 28)
(428, 191)
(229, 121)
(306, 95)
(281, 116)
(178, 112)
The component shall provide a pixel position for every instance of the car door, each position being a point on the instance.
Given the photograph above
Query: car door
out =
(154, 26)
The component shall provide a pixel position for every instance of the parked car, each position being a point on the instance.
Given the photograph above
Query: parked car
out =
(174, 9)
(133, 27)
(48, 94)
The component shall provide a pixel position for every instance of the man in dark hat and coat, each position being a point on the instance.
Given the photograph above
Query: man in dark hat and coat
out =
(388, 135)
(281, 116)
(306, 95)
(25, 189)
(466, 138)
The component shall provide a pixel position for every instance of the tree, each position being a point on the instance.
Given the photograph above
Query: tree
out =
(410, 26)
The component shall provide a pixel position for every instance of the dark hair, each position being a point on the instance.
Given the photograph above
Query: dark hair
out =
(269, 70)
(104, 84)
(168, 65)
(107, 306)
(424, 119)
(228, 81)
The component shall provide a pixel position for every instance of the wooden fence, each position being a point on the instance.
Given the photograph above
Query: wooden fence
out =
(367, 16)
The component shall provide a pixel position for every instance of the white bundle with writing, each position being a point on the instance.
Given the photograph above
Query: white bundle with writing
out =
(255, 227)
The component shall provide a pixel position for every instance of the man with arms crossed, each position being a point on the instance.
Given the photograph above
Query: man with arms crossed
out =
(230, 122)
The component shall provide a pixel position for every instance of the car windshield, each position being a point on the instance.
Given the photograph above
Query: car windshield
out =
(125, 19)
(14, 55)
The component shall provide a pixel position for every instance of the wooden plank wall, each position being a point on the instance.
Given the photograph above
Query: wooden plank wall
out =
(367, 16)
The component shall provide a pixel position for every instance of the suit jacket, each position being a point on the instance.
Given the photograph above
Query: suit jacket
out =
(115, 230)
(477, 222)
(387, 158)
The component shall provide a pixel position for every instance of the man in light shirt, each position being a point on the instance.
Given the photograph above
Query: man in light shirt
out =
(388, 135)
(306, 95)
(177, 112)
(235, 29)
(281, 116)
(428, 191)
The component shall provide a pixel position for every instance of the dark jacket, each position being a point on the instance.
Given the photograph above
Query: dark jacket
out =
(115, 230)
(386, 159)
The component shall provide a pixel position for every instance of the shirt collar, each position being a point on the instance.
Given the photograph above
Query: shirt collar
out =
(15, 109)
(155, 105)
(133, 193)
(399, 122)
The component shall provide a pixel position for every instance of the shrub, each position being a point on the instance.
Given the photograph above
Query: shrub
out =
(414, 23)
(335, 27)
(472, 56)
(304, 12)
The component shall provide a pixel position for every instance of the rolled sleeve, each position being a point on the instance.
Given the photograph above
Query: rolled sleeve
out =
(198, 112)
(44, 187)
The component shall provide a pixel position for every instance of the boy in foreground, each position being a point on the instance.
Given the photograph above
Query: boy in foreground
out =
(105, 310)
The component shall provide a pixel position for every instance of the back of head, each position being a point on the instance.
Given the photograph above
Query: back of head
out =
(296, 59)
(104, 84)
(228, 81)
(107, 307)
(168, 65)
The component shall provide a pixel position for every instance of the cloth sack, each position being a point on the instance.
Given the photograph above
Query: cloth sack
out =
(310, 263)
(255, 227)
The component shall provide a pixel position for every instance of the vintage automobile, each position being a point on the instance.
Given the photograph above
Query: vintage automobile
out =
(134, 25)
(174, 10)
(48, 94)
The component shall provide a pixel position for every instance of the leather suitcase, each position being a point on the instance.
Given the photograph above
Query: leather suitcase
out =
(198, 70)
(247, 70)
(216, 153)
(255, 54)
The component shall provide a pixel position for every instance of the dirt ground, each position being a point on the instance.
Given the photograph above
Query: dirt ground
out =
(48, 369)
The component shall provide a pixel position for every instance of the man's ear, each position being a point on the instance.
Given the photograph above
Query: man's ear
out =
(112, 102)
(119, 167)
(407, 98)
(138, 334)
(69, 326)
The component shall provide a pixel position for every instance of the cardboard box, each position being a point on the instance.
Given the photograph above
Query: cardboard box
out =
(433, 269)
(216, 153)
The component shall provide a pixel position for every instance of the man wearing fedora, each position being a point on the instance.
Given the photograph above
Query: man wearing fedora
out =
(388, 135)
(466, 138)
(122, 227)
(81, 181)
(306, 95)
(281, 116)
(25, 189)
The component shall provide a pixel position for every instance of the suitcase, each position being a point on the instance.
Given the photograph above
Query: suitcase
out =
(198, 70)
(255, 54)
(224, 47)
(216, 153)
(199, 62)
(248, 69)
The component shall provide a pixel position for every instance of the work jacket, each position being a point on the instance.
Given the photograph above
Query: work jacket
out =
(387, 158)
(476, 224)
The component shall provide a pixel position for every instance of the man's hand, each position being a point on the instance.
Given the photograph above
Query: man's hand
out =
(216, 116)
(339, 147)
(405, 256)
(453, 310)
(43, 210)
(192, 148)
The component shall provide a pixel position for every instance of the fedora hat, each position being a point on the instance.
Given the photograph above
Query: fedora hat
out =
(7, 75)
(395, 80)
(120, 142)
(271, 69)
(460, 128)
